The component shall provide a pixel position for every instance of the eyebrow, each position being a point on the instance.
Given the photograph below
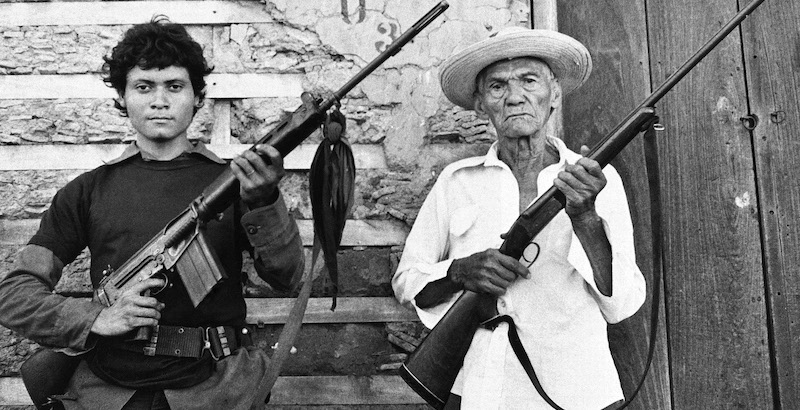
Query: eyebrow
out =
(149, 81)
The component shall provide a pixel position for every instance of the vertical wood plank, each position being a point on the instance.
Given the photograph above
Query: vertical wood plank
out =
(773, 76)
(545, 17)
(616, 37)
(715, 284)
(221, 133)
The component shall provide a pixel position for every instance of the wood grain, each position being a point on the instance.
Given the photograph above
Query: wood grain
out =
(348, 310)
(716, 313)
(123, 12)
(772, 62)
(615, 35)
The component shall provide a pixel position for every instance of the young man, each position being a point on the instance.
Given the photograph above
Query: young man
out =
(575, 276)
(158, 72)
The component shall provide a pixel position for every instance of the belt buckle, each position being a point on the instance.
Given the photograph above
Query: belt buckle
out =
(222, 342)
(150, 348)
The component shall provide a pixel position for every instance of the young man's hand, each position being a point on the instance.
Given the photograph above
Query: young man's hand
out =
(130, 311)
(258, 179)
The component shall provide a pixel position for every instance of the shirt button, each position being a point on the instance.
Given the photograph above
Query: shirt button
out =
(252, 229)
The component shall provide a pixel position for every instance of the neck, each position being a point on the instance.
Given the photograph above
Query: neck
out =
(163, 150)
(526, 154)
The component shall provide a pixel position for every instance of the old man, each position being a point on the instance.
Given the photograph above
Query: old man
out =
(575, 277)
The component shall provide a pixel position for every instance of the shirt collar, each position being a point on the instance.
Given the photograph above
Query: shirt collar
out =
(565, 154)
(198, 147)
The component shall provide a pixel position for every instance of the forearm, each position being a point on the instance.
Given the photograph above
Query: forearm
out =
(438, 291)
(588, 227)
(277, 246)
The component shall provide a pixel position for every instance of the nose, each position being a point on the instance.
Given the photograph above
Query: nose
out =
(160, 99)
(515, 93)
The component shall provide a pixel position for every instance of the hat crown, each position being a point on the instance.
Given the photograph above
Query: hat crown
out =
(567, 58)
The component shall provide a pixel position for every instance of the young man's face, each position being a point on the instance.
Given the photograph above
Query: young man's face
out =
(160, 103)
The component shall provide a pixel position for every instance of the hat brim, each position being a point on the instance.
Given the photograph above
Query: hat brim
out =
(569, 60)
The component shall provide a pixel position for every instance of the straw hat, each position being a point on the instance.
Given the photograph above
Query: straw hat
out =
(567, 57)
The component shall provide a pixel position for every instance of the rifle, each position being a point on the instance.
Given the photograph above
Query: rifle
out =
(432, 368)
(181, 248)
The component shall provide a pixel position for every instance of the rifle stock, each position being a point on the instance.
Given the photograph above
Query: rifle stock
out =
(432, 368)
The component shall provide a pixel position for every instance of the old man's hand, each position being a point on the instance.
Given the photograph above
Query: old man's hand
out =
(258, 179)
(487, 272)
(580, 183)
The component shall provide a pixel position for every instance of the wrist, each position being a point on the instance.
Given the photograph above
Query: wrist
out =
(585, 218)
(453, 276)
(262, 202)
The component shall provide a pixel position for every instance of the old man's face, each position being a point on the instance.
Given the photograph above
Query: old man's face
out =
(517, 96)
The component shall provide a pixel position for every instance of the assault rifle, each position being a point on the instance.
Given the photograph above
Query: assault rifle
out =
(432, 368)
(181, 248)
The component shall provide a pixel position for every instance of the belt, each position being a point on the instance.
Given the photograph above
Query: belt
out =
(182, 341)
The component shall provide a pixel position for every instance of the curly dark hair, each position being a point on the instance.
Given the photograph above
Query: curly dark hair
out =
(157, 44)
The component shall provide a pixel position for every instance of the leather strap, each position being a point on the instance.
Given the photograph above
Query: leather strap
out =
(331, 186)
(519, 350)
(657, 249)
(651, 164)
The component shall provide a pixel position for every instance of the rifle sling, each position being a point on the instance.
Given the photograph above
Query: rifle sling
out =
(651, 164)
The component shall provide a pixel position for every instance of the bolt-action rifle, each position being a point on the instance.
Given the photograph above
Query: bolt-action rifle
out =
(432, 369)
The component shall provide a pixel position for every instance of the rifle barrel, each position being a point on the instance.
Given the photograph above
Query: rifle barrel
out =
(391, 50)
(700, 54)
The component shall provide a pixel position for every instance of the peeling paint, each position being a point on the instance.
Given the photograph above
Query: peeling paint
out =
(743, 201)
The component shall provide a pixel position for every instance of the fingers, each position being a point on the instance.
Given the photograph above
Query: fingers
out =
(141, 287)
(250, 166)
(490, 272)
(512, 265)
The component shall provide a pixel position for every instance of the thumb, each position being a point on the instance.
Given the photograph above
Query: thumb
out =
(585, 150)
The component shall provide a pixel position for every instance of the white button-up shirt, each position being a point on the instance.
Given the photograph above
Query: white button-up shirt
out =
(559, 312)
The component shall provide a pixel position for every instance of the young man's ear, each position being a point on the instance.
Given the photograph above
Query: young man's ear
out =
(121, 100)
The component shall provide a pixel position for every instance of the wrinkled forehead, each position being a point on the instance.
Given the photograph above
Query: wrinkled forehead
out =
(517, 64)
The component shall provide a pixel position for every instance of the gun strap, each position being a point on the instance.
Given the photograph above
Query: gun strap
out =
(519, 350)
(285, 341)
(651, 161)
(656, 223)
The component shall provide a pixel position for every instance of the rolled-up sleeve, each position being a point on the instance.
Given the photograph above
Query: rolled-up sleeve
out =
(278, 248)
(628, 285)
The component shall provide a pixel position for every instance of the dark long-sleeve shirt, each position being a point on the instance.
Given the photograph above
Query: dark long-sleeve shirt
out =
(114, 210)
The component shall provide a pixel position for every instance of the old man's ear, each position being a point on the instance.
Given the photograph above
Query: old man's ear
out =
(478, 107)
(556, 94)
